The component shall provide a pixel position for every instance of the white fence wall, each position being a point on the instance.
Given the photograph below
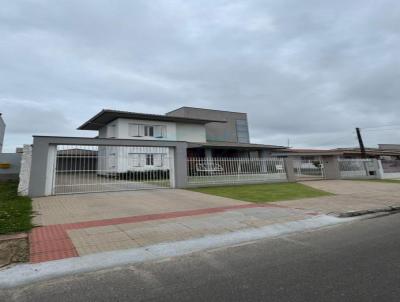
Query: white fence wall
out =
(390, 168)
(358, 168)
(25, 172)
(213, 171)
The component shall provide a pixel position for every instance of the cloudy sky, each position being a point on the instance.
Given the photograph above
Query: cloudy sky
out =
(309, 71)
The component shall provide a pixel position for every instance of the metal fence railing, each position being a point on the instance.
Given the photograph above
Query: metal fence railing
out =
(79, 169)
(304, 169)
(209, 171)
(357, 167)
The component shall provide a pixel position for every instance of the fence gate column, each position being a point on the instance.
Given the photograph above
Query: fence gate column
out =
(289, 167)
(171, 158)
(331, 166)
(180, 158)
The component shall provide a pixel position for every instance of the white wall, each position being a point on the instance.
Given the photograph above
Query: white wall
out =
(191, 133)
(103, 132)
(391, 176)
(25, 172)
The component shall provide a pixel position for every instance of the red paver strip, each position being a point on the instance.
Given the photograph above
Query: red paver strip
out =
(52, 242)
(150, 217)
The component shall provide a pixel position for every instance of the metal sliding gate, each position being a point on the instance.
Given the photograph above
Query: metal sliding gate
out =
(308, 169)
(82, 169)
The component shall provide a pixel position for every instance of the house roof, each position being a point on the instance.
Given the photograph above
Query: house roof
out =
(315, 152)
(370, 151)
(106, 116)
(197, 108)
(226, 145)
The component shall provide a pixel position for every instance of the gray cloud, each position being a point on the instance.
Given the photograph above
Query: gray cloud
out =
(306, 70)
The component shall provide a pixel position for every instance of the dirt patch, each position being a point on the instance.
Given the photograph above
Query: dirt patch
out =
(13, 249)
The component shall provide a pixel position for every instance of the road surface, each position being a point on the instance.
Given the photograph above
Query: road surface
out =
(358, 261)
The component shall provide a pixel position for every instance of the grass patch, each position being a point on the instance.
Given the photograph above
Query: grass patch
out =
(264, 192)
(15, 211)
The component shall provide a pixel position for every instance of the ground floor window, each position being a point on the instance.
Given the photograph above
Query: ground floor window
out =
(149, 159)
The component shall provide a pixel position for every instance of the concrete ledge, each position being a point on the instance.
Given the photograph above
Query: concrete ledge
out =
(392, 208)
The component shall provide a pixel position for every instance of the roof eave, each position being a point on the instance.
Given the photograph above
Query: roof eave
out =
(86, 125)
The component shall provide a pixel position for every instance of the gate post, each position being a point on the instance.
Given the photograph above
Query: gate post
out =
(379, 169)
(42, 168)
(331, 167)
(180, 167)
(171, 162)
(289, 168)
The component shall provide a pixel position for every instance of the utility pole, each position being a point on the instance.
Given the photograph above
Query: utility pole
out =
(360, 141)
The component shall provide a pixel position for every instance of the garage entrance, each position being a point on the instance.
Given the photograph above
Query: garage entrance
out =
(83, 169)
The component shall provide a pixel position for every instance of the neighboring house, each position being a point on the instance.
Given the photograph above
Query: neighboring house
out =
(2, 130)
(209, 133)
(345, 153)
(378, 153)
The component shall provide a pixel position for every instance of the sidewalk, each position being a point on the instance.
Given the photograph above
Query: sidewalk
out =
(350, 196)
(60, 241)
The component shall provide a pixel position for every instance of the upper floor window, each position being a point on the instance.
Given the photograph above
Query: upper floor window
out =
(149, 131)
(157, 131)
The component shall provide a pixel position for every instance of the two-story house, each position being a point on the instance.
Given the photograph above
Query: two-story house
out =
(209, 133)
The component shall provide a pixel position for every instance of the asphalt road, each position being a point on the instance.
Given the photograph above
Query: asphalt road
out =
(359, 261)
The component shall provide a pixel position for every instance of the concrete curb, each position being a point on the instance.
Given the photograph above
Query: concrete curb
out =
(348, 214)
(27, 273)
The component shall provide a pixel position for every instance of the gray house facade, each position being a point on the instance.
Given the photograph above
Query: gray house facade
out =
(235, 128)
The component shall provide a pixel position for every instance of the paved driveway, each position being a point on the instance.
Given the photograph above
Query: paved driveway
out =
(63, 209)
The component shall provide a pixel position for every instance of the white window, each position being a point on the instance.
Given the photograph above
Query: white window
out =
(137, 130)
(149, 131)
(134, 130)
(149, 159)
(160, 131)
